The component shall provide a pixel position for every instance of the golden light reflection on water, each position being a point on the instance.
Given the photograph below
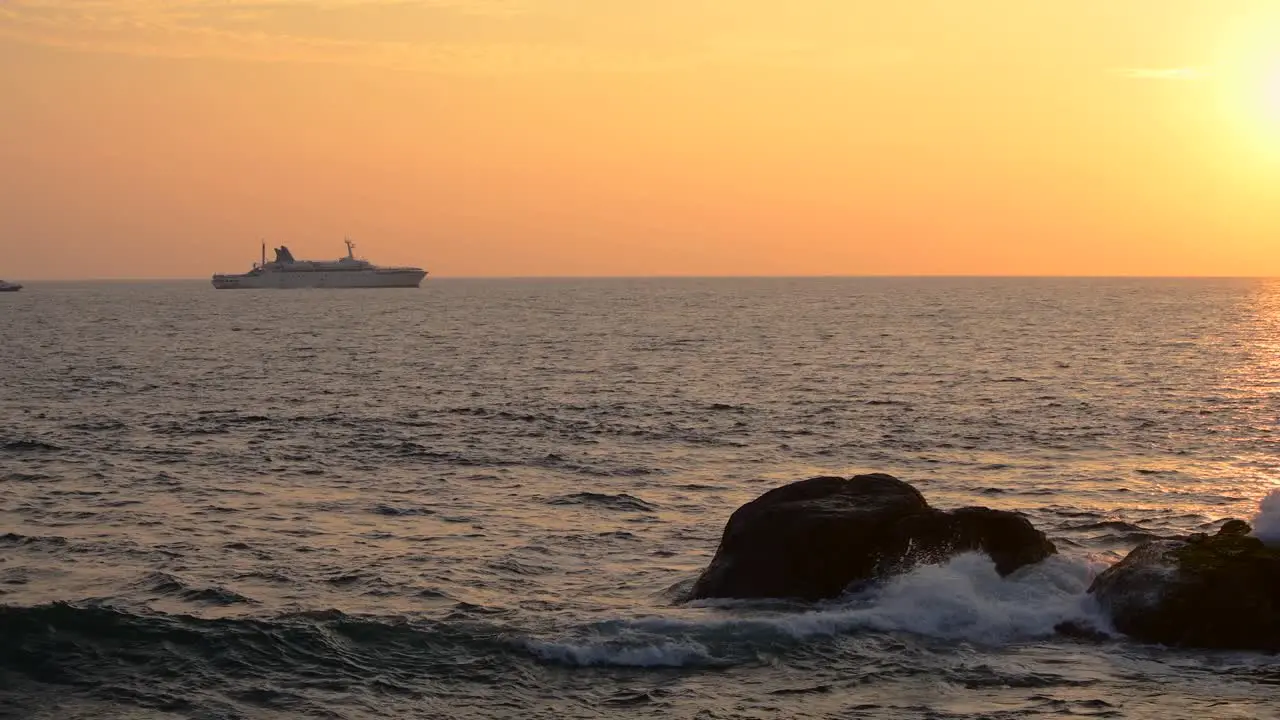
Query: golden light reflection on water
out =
(1254, 384)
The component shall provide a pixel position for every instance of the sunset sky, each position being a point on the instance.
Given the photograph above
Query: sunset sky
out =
(164, 138)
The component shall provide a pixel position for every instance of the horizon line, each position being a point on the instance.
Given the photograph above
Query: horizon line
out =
(890, 276)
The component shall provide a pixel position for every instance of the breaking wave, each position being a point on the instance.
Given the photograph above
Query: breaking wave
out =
(1266, 524)
(964, 599)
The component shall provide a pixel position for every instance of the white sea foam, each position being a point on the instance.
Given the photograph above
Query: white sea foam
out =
(1266, 524)
(964, 599)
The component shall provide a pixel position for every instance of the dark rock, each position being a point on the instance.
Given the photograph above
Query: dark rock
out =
(1235, 527)
(813, 539)
(1080, 631)
(1220, 592)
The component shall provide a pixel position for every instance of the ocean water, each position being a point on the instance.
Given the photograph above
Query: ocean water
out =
(483, 498)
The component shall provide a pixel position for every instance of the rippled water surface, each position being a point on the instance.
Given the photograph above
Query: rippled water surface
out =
(482, 498)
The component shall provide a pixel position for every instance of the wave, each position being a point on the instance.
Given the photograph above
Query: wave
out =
(75, 644)
(622, 501)
(621, 653)
(166, 584)
(42, 541)
(405, 511)
(964, 600)
(28, 446)
(402, 449)
(1109, 525)
(1266, 524)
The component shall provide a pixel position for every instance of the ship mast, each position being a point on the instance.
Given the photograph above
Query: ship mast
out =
(350, 248)
(264, 254)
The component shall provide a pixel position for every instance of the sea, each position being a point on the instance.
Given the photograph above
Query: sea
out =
(485, 498)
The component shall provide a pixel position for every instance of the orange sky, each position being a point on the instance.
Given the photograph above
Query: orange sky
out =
(163, 138)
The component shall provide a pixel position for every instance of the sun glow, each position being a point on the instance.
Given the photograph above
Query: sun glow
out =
(1271, 94)
(1263, 112)
(1248, 75)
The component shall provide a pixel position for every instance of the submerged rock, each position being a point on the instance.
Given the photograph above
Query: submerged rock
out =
(1220, 591)
(814, 538)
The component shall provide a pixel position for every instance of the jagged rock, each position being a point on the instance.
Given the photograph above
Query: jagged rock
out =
(1220, 591)
(814, 538)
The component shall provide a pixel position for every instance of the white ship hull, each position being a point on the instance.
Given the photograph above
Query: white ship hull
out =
(288, 280)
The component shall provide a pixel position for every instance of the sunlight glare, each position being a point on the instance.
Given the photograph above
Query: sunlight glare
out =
(1249, 75)
(1271, 93)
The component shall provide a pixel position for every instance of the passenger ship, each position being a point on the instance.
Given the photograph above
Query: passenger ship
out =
(285, 272)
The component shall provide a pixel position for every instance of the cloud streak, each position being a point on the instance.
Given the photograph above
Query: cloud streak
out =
(453, 36)
(252, 31)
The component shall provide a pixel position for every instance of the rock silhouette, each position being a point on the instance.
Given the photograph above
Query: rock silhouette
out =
(1215, 592)
(815, 538)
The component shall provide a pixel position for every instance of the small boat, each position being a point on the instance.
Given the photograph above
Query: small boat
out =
(9, 287)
